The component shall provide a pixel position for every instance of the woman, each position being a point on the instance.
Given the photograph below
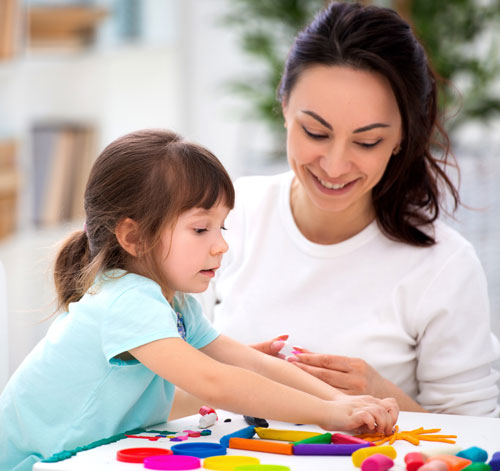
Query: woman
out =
(346, 252)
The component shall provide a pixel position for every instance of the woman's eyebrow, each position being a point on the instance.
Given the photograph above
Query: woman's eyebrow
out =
(319, 119)
(371, 126)
(356, 131)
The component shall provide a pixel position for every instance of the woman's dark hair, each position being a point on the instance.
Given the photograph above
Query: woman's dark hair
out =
(150, 176)
(409, 195)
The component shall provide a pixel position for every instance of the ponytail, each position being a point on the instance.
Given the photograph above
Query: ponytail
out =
(71, 271)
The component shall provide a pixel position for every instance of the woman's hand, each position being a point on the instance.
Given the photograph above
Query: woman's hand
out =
(362, 414)
(272, 347)
(352, 376)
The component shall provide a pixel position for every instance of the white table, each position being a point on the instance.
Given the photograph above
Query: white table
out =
(471, 431)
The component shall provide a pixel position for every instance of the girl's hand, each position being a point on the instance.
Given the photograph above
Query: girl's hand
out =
(362, 414)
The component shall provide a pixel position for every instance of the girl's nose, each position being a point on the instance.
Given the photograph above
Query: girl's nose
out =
(220, 245)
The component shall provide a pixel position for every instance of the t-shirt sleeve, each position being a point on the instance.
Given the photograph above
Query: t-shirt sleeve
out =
(199, 331)
(140, 315)
(456, 347)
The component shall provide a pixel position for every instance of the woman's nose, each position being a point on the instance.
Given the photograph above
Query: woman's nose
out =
(335, 162)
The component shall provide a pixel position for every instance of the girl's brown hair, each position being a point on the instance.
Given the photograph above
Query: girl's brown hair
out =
(150, 176)
(410, 193)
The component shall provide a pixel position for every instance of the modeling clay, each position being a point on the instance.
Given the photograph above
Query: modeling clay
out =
(247, 432)
(495, 461)
(323, 438)
(434, 466)
(414, 461)
(474, 453)
(336, 449)
(412, 436)
(360, 455)
(261, 445)
(478, 466)
(256, 421)
(284, 435)
(455, 463)
(343, 438)
(377, 462)
(208, 417)
(441, 450)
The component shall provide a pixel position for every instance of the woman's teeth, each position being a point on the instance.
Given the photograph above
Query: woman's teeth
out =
(332, 186)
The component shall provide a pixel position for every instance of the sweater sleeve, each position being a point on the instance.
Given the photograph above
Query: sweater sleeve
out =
(455, 346)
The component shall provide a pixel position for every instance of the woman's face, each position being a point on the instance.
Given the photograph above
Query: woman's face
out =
(343, 125)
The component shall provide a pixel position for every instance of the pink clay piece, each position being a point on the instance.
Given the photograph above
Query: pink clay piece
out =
(377, 462)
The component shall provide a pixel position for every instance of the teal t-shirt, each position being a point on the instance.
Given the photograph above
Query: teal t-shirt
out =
(72, 390)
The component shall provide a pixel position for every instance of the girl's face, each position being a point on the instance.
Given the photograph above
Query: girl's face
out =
(191, 252)
(343, 126)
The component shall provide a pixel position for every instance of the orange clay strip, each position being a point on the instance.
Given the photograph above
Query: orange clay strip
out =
(261, 445)
(411, 436)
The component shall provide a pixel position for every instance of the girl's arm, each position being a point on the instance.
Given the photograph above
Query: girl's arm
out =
(227, 350)
(246, 392)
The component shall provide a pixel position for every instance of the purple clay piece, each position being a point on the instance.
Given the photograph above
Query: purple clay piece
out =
(327, 449)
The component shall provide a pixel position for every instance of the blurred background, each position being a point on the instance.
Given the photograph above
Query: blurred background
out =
(74, 75)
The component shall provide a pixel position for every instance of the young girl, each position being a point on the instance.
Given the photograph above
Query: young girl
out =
(155, 208)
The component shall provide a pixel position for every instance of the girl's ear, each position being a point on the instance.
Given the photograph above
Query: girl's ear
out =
(127, 234)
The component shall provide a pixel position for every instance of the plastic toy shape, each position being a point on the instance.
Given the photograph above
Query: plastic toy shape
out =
(262, 467)
(412, 436)
(172, 462)
(137, 455)
(229, 462)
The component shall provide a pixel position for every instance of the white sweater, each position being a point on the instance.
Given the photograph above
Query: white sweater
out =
(419, 316)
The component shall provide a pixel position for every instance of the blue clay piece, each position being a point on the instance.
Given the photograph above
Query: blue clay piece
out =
(247, 432)
(474, 453)
(495, 461)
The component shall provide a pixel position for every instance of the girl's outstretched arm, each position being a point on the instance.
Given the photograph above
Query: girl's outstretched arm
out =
(243, 391)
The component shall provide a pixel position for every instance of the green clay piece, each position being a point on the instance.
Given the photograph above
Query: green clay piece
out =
(478, 466)
(323, 438)
(206, 432)
(66, 454)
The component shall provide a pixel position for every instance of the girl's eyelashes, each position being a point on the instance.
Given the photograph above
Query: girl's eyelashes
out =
(368, 145)
(200, 230)
(224, 228)
(314, 135)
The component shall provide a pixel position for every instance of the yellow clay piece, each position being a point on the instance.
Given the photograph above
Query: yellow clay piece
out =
(284, 435)
(360, 455)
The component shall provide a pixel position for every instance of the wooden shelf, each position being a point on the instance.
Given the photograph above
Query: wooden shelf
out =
(53, 25)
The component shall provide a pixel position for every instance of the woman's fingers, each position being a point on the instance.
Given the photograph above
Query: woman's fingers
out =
(271, 347)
